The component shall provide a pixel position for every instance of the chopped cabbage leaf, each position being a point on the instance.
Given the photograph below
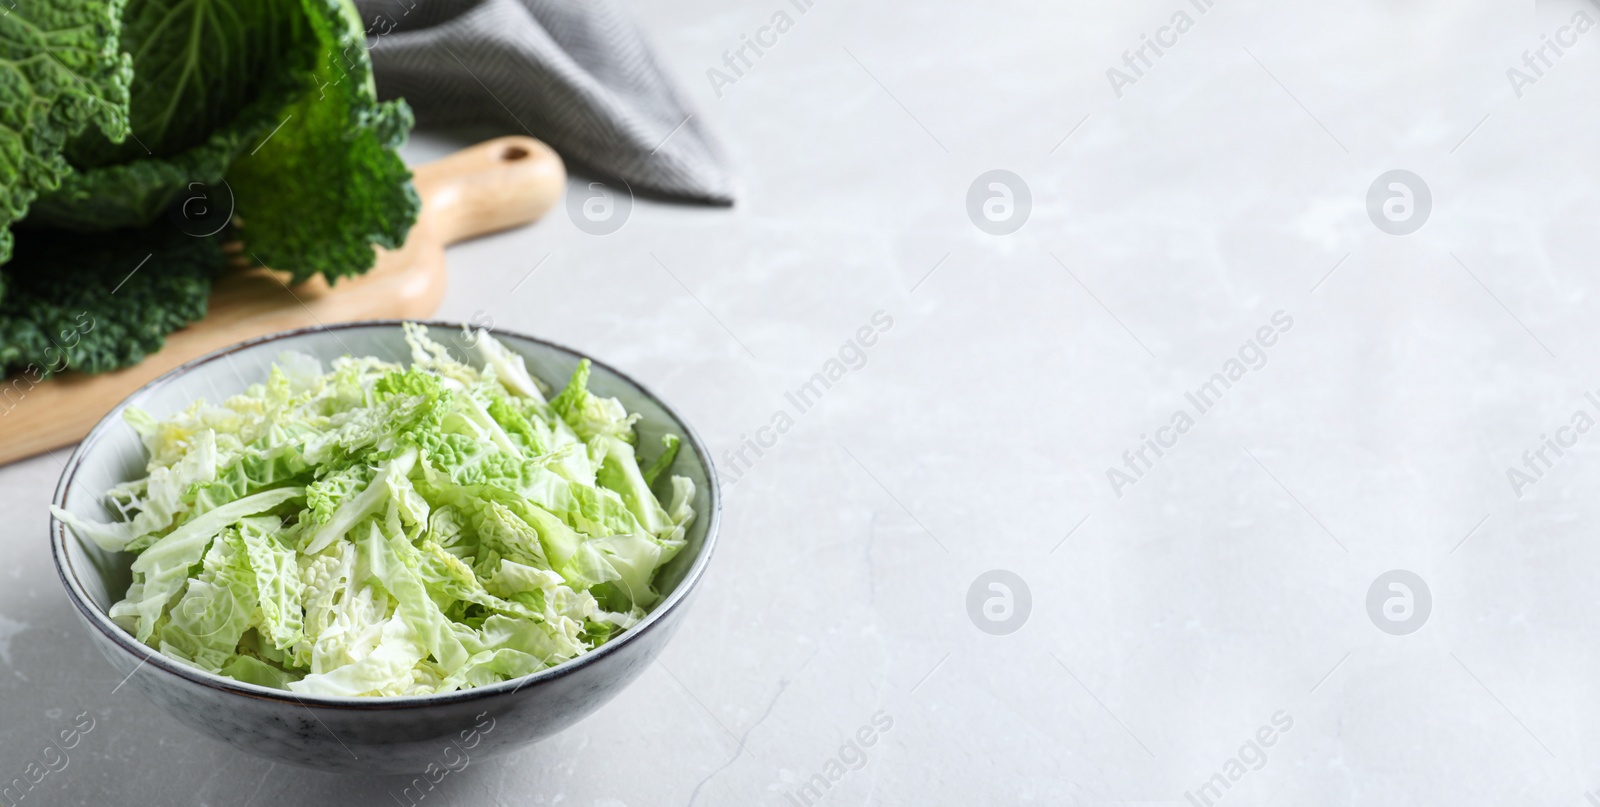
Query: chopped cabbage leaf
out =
(373, 529)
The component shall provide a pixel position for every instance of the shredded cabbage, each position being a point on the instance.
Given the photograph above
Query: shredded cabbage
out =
(382, 530)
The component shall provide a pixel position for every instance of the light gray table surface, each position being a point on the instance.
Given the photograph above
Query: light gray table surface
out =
(1172, 616)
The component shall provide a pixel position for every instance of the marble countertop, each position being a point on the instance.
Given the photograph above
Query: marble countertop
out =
(1195, 457)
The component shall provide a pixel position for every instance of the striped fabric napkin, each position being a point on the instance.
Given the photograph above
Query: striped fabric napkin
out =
(573, 73)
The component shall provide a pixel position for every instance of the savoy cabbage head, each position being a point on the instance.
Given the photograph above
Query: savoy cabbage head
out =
(137, 136)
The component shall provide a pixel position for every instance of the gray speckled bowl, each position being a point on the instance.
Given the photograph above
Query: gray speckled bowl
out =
(398, 735)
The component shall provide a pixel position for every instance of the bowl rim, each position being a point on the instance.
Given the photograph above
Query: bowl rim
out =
(148, 655)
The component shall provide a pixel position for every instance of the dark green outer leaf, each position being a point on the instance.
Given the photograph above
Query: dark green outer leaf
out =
(97, 304)
(328, 185)
(60, 71)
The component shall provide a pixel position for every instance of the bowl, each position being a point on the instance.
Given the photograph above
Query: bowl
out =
(367, 735)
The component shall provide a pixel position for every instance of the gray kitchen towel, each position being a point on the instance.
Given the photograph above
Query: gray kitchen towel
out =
(573, 73)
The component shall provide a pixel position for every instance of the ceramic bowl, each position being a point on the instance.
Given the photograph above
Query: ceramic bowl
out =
(395, 735)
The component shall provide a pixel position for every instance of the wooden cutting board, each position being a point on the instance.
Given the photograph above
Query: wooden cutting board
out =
(496, 185)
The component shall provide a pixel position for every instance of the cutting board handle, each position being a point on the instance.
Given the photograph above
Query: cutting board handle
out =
(496, 185)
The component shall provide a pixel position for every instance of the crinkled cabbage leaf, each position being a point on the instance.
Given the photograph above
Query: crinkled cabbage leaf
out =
(377, 529)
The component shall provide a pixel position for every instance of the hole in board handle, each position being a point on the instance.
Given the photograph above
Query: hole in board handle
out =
(514, 153)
